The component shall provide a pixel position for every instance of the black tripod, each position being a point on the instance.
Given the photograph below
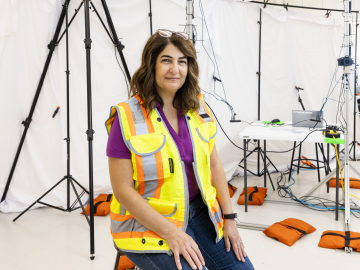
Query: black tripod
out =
(90, 132)
(258, 149)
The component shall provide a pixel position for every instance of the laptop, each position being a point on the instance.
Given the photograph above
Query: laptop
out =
(301, 118)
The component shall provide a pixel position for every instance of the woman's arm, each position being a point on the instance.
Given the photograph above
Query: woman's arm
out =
(121, 176)
(219, 182)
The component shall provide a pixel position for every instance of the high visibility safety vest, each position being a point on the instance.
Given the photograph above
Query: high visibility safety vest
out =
(159, 173)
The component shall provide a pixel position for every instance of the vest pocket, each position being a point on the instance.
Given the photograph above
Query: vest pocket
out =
(163, 207)
(149, 156)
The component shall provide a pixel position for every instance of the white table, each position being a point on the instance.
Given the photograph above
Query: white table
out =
(259, 131)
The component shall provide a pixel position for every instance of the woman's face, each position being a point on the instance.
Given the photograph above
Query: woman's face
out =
(170, 70)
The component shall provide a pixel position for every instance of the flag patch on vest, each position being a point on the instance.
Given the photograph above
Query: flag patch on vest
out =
(171, 165)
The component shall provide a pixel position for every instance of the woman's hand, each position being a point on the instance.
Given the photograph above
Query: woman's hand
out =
(182, 244)
(231, 235)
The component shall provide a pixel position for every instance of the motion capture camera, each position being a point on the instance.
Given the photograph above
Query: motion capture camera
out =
(345, 61)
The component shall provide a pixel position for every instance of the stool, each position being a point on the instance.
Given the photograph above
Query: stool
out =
(117, 260)
(325, 160)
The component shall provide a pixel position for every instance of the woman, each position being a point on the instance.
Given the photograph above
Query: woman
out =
(169, 185)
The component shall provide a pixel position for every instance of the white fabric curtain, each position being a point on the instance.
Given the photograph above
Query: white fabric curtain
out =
(297, 49)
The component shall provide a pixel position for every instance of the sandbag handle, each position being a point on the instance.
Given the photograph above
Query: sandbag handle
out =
(251, 194)
(231, 186)
(109, 198)
(347, 237)
(96, 206)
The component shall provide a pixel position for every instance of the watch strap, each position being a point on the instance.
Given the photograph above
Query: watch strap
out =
(230, 216)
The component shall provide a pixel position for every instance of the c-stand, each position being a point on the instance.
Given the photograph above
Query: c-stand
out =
(90, 132)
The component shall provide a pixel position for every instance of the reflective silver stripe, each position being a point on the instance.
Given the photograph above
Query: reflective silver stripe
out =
(140, 126)
(213, 136)
(122, 226)
(122, 210)
(217, 218)
(150, 187)
(172, 212)
(138, 227)
(202, 111)
(201, 136)
(147, 154)
(138, 117)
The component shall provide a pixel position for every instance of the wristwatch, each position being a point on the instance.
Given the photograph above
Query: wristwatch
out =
(230, 216)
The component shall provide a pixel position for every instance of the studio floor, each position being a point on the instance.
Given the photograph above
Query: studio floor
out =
(46, 239)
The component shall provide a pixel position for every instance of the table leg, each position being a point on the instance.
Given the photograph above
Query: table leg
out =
(298, 168)
(245, 174)
(317, 161)
(328, 164)
(337, 187)
(265, 167)
(292, 160)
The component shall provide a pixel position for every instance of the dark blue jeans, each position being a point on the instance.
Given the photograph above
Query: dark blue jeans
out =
(202, 231)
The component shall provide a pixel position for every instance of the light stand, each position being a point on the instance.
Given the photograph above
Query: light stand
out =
(90, 132)
(189, 18)
(258, 149)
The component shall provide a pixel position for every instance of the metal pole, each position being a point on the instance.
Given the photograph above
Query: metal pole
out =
(90, 131)
(259, 80)
(347, 28)
(189, 17)
(355, 101)
(150, 15)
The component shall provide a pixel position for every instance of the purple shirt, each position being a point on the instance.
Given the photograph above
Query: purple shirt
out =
(116, 147)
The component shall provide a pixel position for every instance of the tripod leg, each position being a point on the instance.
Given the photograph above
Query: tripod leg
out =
(79, 199)
(298, 168)
(27, 122)
(39, 199)
(245, 175)
(292, 160)
(90, 131)
(76, 182)
(326, 168)
(317, 161)
(328, 164)
(268, 173)
(117, 42)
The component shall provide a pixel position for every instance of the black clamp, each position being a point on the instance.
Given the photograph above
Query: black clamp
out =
(258, 73)
(286, 7)
(90, 134)
(52, 45)
(119, 44)
(150, 14)
(67, 139)
(26, 123)
(327, 14)
(260, 23)
(265, 2)
(216, 79)
(87, 42)
(67, 71)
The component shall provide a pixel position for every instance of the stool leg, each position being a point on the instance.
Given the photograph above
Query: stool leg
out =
(117, 260)
(292, 160)
(317, 161)
(298, 168)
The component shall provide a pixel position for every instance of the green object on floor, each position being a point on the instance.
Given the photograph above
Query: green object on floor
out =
(334, 141)
(276, 123)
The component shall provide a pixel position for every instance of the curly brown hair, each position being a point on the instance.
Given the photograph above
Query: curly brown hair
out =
(143, 81)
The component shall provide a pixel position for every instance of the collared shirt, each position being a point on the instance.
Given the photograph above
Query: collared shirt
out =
(116, 147)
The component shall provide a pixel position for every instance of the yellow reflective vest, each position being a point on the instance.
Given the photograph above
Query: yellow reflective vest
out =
(159, 173)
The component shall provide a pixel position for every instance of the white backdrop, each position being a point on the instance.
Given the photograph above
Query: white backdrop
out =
(297, 49)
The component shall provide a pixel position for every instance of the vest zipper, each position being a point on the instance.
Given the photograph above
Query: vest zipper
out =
(198, 180)
(186, 188)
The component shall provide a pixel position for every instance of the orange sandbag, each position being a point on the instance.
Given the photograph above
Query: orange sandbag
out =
(232, 190)
(354, 182)
(307, 162)
(101, 205)
(125, 263)
(255, 196)
(289, 230)
(339, 239)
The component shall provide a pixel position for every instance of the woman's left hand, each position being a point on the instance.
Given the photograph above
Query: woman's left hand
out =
(232, 238)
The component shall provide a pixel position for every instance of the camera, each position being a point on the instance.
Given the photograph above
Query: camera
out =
(345, 61)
